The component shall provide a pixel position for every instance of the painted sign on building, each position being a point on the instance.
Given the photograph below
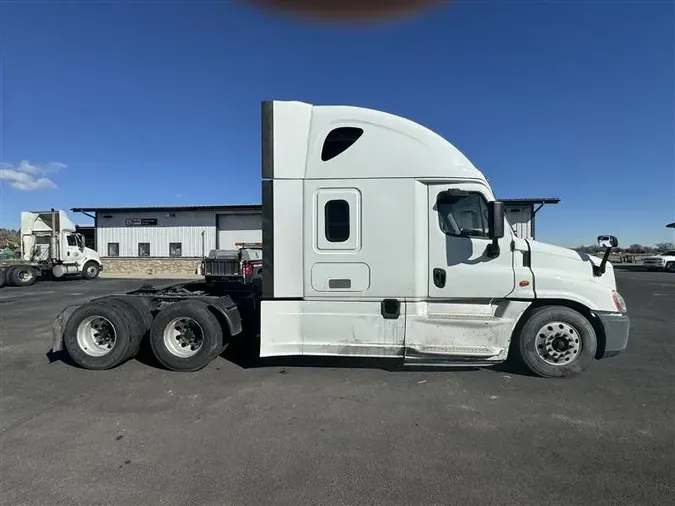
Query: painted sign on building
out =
(141, 222)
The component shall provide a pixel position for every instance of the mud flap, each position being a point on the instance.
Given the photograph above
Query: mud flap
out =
(59, 326)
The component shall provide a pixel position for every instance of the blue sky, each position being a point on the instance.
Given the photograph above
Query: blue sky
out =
(158, 103)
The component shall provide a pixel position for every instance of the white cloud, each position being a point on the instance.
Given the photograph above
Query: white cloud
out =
(27, 176)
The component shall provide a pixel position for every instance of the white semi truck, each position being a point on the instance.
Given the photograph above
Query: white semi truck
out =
(380, 239)
(51, 246)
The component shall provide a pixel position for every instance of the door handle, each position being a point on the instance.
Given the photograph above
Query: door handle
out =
(439, 277)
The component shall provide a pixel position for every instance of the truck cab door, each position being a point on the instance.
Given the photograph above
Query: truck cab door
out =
(73, 252)
(461, 317)
(459, 264)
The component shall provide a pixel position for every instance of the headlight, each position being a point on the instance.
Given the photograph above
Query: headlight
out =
(619, 302)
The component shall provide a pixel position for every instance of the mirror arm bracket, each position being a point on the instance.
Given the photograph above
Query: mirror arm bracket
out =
(599, 270)
(493, 250)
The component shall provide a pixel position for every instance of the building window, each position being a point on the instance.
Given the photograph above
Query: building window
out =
(336, 219)
(143, 249)
(113, 249)
(463, 215)
(338, 141)
(175, 249)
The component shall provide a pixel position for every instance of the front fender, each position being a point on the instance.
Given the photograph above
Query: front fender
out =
(595, 295)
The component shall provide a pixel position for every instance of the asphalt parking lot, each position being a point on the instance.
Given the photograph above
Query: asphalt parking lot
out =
(337, 435)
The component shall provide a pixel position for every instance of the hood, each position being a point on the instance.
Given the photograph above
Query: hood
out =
(562, 273)
(559, 251)
(91, 253)
(569, 263)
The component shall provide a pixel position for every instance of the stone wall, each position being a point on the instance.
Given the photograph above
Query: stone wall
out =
(151, 266)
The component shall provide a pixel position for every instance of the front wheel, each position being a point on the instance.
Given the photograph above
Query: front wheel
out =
(90, 270)
(557, 342)
(670, 267)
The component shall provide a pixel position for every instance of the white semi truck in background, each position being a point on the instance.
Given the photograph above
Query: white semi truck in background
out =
(380, 239)
(50, 246)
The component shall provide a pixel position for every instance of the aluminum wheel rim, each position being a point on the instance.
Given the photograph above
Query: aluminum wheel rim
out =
(91, 270)
(183, 337)
(96, 336)
(25, 275)
(558, 343)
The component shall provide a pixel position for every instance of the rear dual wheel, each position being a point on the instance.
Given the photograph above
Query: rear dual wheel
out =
(106, 332)
(186, 336)
(20, 275)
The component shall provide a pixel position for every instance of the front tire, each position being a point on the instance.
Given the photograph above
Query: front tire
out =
(186, 336)
(90, 270)
(670, 267)
(557, 342)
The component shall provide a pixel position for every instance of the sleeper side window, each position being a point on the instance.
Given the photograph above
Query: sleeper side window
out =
(336, 219)
(338, 141)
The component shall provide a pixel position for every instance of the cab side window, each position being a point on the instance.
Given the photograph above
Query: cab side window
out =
(72, 241)
(463, 215)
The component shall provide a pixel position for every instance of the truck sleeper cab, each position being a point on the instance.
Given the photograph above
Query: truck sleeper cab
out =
(381, 239)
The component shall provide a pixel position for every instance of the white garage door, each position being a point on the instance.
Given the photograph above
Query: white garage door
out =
(234, 228)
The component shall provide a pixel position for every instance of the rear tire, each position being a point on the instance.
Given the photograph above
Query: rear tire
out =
(186, 336)
(98, 334)
(90, 270)
(23, 275)
(138, 309)
(2, 278)
(557, 342)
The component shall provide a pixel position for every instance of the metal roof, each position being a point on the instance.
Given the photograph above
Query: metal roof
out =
(245, 208)
(257, 208)
(527, 202)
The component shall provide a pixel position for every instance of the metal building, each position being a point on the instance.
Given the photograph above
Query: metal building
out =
(188, 231)
(521, 214)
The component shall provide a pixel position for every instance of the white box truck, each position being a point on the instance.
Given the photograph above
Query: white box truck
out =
(380, 239)
(50, 246)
